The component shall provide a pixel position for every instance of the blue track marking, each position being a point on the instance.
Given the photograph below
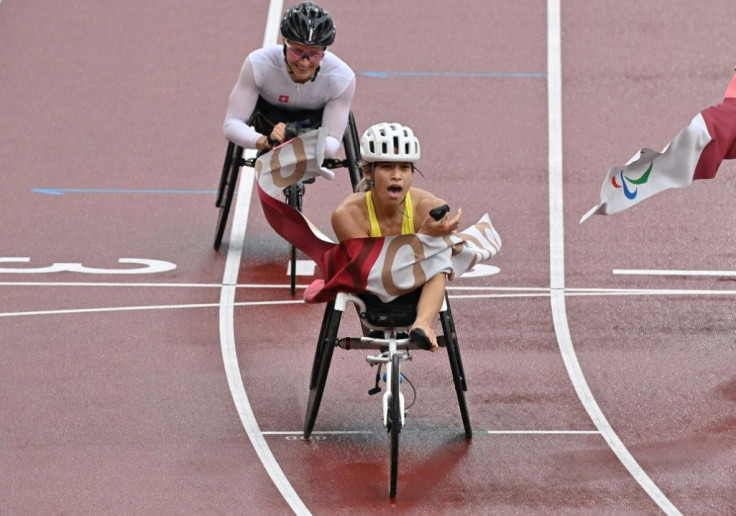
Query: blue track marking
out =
(62, 191)
(386, 75)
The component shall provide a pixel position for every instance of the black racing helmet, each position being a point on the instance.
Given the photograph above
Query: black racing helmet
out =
(308, 24)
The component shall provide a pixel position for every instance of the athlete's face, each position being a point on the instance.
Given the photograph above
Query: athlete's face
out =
(391, 180)
(303, 60)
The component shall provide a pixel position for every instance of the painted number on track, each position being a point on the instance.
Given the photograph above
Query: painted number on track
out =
(148, 267)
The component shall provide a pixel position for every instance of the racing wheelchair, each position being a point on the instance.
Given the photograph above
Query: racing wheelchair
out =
(385, 329)
(296, 122)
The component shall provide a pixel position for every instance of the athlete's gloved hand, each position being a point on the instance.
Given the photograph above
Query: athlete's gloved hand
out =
(294, 129)
(278, 135)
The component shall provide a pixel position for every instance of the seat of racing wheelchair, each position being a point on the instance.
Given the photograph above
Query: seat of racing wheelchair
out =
(398, 313)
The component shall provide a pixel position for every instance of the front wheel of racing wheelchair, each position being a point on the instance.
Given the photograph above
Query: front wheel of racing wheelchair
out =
(234, 160)
(385, 328)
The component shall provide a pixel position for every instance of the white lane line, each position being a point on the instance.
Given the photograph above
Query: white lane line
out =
(145, 285)
(502, 289)
(318, 432)
(601, 293)
(557, 263)
(215, 285)
(649, 292)
(148, 307)
(538, 432)
(665, 272)
(227, 319)
(507, 291)
(488, 432)
(306, 268)
(497, 296)
(545, 294)
(227, 343)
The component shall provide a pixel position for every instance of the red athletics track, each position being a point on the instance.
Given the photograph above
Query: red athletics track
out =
(130, 411)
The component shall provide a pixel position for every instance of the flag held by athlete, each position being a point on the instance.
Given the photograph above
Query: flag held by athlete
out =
(385, 266)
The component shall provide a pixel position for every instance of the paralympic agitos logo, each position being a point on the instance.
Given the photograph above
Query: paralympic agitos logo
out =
(626, 180)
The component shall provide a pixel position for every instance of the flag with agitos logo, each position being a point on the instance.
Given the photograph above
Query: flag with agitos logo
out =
(694, 153)
(386, 266)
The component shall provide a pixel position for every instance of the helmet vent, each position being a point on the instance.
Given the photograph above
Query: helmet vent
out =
(308, 24)
(389, 142)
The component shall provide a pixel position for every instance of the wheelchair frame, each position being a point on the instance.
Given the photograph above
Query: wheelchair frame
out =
(234, 161)
(392, 351)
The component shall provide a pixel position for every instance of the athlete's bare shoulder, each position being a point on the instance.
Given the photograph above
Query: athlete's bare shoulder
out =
(350, 218)
(424, 200)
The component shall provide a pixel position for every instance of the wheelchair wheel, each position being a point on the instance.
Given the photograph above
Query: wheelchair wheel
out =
(394, 426)
(457, 377)
(453, 333)
(325, 348)
(294, 194)
(225, 171)
(226, 191)
(351, 145)
(321, 344)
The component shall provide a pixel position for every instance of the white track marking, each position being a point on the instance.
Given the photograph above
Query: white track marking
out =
(538, 432)
(480, 270)
(146, 285)
(227, 319)
(572, 292)
(227, 343)
(303, 268)
(497, 296)
(525, 291)
(148, 307)
(477, 432)
(537, 293)
(648, 292)
(557, 263)
(317, 432)
(149, 267)
(655, 272)
(481, 432)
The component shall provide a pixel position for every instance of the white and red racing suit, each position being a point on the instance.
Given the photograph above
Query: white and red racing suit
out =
(265, 74)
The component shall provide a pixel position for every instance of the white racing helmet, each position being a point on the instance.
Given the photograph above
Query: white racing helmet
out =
(389, 142)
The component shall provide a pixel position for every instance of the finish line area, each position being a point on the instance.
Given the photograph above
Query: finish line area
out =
(145, 372)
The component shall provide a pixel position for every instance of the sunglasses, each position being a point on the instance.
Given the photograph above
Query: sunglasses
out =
(298, 54)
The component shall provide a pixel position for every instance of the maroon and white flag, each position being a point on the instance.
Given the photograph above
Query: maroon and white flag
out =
(694, 153)
(386, 266)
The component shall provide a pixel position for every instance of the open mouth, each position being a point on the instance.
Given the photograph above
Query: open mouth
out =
(395, 191)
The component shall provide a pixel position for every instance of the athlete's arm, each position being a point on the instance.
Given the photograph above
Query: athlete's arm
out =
(425, 223)
(335, 118)
(243, 99)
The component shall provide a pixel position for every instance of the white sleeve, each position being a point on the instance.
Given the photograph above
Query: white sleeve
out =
(240, 107)
(335, 118)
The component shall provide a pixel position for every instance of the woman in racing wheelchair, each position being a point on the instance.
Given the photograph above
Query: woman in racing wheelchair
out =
(386, 204)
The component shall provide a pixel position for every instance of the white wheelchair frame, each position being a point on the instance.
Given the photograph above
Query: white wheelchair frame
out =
(392, 351)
